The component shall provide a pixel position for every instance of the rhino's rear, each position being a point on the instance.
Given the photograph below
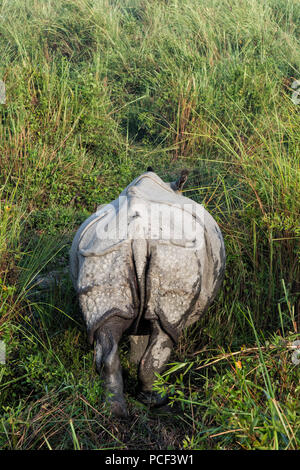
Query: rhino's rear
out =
(151, 253)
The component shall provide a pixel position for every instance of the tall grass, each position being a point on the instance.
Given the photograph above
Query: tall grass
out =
(96, 92)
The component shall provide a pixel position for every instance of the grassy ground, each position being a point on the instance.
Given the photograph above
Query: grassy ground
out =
(95, 92)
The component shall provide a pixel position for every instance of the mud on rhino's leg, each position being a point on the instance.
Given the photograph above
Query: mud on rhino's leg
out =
(107, 338)
(154, 361)
(138, 346)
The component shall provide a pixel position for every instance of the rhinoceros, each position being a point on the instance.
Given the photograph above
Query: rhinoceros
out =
(149, 263)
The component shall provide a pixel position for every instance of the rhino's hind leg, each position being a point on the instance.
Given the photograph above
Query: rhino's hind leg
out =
(154, 361)
(107, 338)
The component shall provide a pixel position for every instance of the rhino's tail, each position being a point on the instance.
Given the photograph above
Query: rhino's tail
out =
(140, 258)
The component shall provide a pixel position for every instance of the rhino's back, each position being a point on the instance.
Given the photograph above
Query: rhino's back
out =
(147, 209)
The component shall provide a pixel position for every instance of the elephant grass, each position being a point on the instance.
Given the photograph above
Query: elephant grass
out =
(95, 93)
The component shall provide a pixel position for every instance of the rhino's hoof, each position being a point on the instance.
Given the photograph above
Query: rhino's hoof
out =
(118, 408)
(152, 398)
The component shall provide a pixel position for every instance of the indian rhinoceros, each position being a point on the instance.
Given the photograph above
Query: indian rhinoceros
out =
(150, 262)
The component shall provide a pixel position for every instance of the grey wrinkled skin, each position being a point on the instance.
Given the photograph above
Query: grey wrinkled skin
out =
(151, 288)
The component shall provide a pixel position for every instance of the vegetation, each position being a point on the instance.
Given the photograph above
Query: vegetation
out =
(95, 92)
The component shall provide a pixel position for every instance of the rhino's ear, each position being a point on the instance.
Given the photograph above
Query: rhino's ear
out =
(180, 182)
